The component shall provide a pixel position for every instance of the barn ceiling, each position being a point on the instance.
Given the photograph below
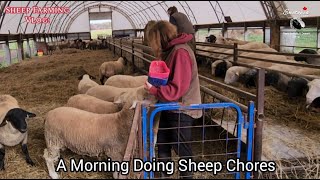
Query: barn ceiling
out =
(138, 13)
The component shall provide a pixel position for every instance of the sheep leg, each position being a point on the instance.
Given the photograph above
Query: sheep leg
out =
(2, 154)
(102, 80)
(25, 151)
(117, 157)
(51, 156)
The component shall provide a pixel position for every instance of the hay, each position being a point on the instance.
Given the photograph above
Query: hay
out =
(47, 82)
(69, 51)
(40, 85)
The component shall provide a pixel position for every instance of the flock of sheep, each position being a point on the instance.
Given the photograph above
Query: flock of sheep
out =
(92, 44)
(96, 121)
(293, 86)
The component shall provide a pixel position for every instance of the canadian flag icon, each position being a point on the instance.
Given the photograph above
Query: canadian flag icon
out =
(305, 8)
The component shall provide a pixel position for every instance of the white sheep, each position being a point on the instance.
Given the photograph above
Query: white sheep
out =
(140, 94)
(92, 104)
(106, 92)
(314, 92)
(93, 135)
(233, 74)
(110, 68)
(86, 83)
(7, 102)
(229, 41)
(126, 81)
(295, 69)
(13, 127)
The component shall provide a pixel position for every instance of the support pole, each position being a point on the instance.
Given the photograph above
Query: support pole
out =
(259, 118)
(7, 53)
(20, 48)
(275, 35)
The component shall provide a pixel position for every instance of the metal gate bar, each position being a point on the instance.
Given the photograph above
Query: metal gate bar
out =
(176, 106)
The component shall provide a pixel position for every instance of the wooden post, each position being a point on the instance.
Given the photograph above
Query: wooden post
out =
(235, 52)
(264, 32)
(224, 29)
(29, 48)
(121, 47)
(132, 57)
(20, 48)
(7, 52)
(275, 35)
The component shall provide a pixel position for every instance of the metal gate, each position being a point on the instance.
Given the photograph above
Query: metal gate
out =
(241, 123)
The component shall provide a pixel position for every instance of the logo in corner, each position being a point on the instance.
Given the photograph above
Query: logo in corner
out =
(297, 23)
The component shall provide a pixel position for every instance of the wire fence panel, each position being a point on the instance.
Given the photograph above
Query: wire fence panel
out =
(211, 156)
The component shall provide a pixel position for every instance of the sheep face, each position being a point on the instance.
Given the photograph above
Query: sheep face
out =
(314, 92)
(221, 69)
(296, 87)
(211, 38)
(249, 78)
(231, 77)
(17, 117)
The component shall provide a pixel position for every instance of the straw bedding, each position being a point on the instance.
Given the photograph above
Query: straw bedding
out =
(47, 82)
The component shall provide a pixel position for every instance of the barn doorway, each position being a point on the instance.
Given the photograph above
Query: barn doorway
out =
(100, 24)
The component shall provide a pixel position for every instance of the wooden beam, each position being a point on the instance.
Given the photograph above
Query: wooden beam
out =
(275, 35)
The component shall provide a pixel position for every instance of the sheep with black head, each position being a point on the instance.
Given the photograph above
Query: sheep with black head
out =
(13, 127)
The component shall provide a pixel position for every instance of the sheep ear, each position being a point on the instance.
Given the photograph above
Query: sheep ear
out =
(117, 99)
(80, 77)
(91, 77)
(30, 114)
(134, 104)
(237, 73)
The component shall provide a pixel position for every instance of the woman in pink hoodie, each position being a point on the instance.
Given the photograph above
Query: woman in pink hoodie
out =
(183, 87)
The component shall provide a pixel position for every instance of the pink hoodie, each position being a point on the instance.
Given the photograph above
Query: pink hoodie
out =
(180, 65)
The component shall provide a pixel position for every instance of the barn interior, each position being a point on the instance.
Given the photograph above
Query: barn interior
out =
(45, 46)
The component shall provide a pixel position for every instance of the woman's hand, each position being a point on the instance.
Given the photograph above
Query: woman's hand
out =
(147, 86)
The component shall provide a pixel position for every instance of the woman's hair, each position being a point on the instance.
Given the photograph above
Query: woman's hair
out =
(159, 36)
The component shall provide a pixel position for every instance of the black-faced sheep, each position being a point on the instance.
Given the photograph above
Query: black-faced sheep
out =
(92, 44)
(88, 133)
(110, 68)
(231, 77)
(309, 60)
(272, 78)
(220, 67)
(13, 127)
(234, 73)
(211, 39)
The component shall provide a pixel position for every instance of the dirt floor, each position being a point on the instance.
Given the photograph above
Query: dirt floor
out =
(44, 83)
(40, 85)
